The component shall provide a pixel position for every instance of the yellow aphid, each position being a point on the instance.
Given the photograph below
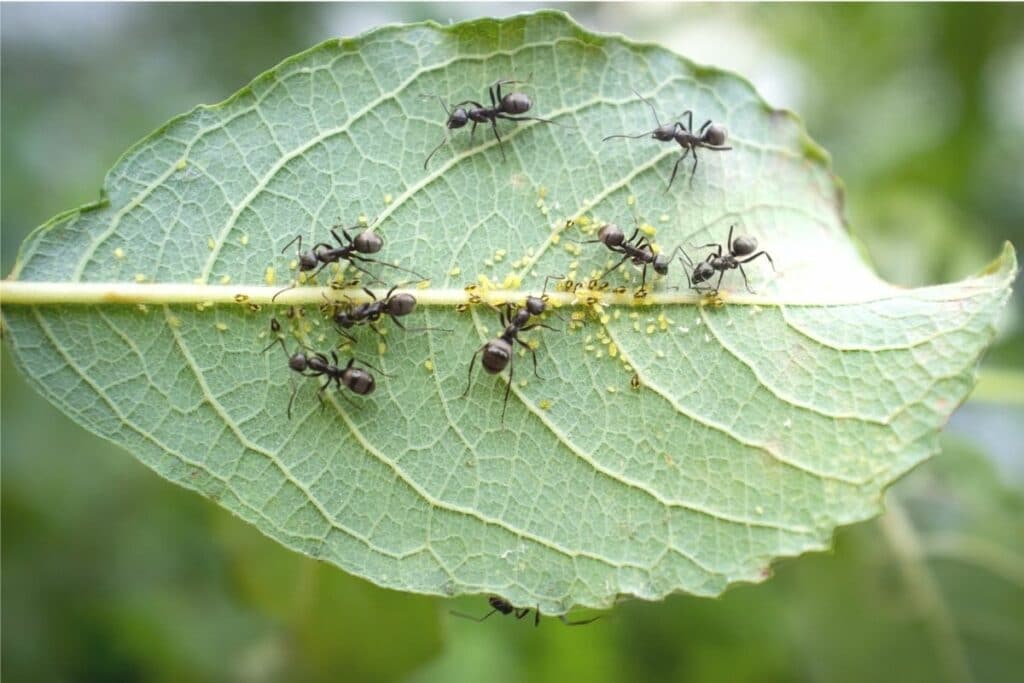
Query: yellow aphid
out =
(648, 229)
(544, 404)
(293, 264)
(429, 365)
(139, 277)
(381, 348)
(542, 192)
(142, 308)
(388, 198)
(650, 329)
(424, 284)
(663, 218)
(363, 219)
(181, 165)
(211, 243)
(616, 313)
(119, 254)
(630, 200)
(611, 389)
(454, 272)
(605, 319)
(512, 281)
(221, 327)
(174, 321)
(241, 298)
(488, 262)
(613, 350)
(659, 354)
(270, 277)
(225, 279)
(636, 325)
(244, 239)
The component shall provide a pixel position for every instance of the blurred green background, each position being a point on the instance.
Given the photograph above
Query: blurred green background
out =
(112, 574)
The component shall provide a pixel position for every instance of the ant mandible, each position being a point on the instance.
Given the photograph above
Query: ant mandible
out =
(743, 245)
(315, 364)
(497, 353)
(506, 608)
(510, 106)
(351, 249)
(710, 136)
(637, 247)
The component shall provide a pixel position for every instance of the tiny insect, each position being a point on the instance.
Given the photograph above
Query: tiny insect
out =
(314, 364)
(506, 608)
(393, 305)
(637, 248)
(511, 107)
(497, 353)
(351, 249)
(711, 136)
(716, 261)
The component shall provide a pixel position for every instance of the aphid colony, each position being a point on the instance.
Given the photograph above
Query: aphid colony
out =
(497, 354)
(355, 249)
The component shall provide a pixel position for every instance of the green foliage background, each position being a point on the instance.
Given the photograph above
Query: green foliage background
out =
(112, 574)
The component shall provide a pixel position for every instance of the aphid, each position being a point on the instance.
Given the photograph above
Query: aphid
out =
(510, 107)
(393, 305)
(716, 261)
(710, 136)
(506, 608)
(637, 248)
(351, 249)
(497, 353)
(313, 364)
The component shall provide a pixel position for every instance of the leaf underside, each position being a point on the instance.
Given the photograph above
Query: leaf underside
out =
(756, 430)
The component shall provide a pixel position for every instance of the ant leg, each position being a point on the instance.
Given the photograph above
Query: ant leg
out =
(582, 622)
(501, 146)
(633, 137)
(728, 240)
(522, 612)
(745, 281)
(615, 267)
(532, 352)
(689, 121)
(508, 389)
(280, 292)
(675, 168)
(366, 259)
(291, 399)
(509, 117)
(536, 617)
(693, 170)
(466, 616)
(469, 379)
(490, 91)
(704, 127)
(472, 133)
(718, 285)
(352, 262)
(766, 254)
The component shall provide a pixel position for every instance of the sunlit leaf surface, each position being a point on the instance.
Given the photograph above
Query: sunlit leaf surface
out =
(756, 428)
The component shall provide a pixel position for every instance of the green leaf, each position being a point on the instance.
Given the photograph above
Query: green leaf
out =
(759, 426)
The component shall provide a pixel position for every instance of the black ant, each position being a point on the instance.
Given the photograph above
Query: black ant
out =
(393, 305)
(506, 608)
(743, 245)
(498, 352)
(510, 107)
(351, 249)
(315, 364)
(637, 247)
(710, 136)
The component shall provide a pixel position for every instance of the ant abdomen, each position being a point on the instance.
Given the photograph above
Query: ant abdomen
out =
(496, 355)
(368, 242)
(358, 381)
(400, 304)
(743, 245)
(611, 235)
(715, 134)
(516, 103)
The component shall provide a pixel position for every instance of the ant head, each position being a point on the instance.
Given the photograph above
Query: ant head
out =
(401, 304)
(359, 381)
(715, 135)
(516, 103)
(702, 272)
(500, 604)
(368, 242)
(743, 245)
(497, 354)
(664, 133)
(307, 260)
(611, 235)
(660, 264)
(458, 118)
(298, 362)
(535, 305)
